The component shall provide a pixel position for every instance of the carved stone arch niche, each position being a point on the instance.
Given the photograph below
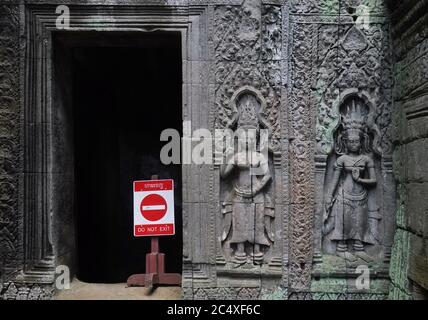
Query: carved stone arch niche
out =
(245, 93)
(354, 212)
(250, 94)
(249, 225)
(247, 104)
(250, 65)
(356, 111)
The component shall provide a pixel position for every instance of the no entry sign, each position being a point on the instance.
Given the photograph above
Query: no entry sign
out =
(154, 208)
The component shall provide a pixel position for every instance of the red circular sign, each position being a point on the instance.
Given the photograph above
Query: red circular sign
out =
(153, 207)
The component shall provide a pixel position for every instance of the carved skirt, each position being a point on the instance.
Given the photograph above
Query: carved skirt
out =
(248, 222)
(350, 214)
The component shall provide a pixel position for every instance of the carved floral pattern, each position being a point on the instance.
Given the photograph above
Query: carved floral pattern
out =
(15, 291)
(355, 58)
(9, 135)
(247, 45)
(248, 52)
(301, 155)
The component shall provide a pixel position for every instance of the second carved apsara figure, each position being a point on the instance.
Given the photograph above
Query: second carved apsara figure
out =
(347, 214)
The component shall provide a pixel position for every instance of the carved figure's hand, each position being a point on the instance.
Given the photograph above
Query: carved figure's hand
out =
(244, 193)
(328, 206)
(248, 194)
(355, 174)
(256, 189)
(326, 229)
(229, 156)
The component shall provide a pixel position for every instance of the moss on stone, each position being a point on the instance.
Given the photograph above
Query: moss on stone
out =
(399, 265)
(331, 285)
(278, 293)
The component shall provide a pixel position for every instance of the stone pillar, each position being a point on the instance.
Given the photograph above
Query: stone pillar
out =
(409, 262)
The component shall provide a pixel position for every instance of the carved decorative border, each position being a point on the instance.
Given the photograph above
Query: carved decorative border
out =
(302, 131)
(250, 41)
(10, 138)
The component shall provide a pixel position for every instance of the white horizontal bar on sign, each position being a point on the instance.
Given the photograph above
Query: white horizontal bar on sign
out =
(156, 207)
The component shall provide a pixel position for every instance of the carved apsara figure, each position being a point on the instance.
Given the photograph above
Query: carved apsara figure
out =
(250, 207)
(347, 215)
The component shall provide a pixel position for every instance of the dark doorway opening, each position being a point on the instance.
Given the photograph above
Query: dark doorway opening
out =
(126, 90)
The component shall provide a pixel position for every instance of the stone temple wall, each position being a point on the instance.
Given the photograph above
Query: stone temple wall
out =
(316, 74)
(409, 272)
(11, 224)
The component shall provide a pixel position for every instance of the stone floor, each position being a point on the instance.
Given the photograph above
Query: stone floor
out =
(95, 291)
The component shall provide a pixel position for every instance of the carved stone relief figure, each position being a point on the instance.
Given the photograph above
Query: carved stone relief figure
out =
(348, 211)
(248, 210)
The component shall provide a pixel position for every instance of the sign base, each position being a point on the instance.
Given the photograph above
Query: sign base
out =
(155, 270)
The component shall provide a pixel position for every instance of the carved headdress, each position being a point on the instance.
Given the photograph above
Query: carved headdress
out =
(354, 118)
(248, 118)
(355, 122)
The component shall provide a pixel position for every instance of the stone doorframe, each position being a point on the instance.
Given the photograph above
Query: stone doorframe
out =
(43, 152)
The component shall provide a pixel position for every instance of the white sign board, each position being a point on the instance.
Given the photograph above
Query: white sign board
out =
(154, 208)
